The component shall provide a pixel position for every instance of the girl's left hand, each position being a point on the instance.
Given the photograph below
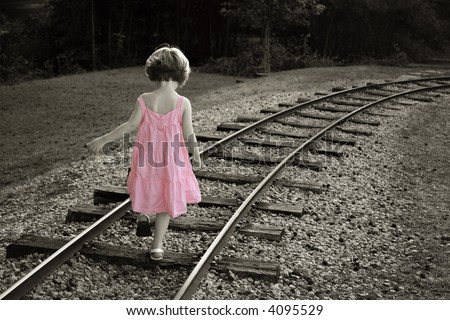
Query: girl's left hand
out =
(95, 145)
(196, 164)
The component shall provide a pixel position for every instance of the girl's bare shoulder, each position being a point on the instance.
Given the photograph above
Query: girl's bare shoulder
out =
(186, 104)
(147, 95)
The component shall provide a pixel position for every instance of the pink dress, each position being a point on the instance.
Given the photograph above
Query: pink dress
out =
(161, 177)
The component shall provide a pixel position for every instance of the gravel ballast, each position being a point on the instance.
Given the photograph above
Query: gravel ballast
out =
(364, 237)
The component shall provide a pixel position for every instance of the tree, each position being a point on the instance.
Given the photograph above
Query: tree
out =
(94, 66)
(263, 14)
(349, 29)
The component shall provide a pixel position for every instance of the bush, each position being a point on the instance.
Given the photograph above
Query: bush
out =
(244, 64)
(22, 49)
(316, 61)
(249, 60)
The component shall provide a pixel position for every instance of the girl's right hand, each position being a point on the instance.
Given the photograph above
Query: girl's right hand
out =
(95, 145)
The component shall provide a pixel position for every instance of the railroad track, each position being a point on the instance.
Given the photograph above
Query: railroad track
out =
(327, 115)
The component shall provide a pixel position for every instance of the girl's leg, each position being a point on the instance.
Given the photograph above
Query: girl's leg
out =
(161, 224)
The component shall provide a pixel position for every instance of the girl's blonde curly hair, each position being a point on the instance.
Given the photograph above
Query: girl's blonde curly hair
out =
(168, 63)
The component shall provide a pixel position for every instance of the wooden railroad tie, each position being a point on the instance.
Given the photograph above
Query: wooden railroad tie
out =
(204, 137)
(443, 91)
(263, 160)
(335, 109)
(345, 103)
(370, 99)
(362, 98)
(391, 91)
(425, 85)
(428, 94)
(326, 150)
(124, 255)
(439, 82)
(235, 127)
(291, 104)
(243, 179)
(377, 94)
(324, 117)
(89, 213)
(384, 106)
(232, 126)
(111, 194)
(330, 117)
(268, 143)
(435, 94)
(421, 99)
(332, 109)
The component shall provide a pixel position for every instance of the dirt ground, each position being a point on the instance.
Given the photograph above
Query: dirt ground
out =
(421, 157)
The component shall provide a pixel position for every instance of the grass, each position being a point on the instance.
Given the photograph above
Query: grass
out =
(48, 121)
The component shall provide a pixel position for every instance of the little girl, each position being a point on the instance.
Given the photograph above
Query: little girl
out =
(161, 180)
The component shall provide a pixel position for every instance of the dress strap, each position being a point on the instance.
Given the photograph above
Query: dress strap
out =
(180, 101)
(142, 104)
(180, 108)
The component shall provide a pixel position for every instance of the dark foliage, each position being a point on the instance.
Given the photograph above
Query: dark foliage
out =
(227, 36)
(349, 29)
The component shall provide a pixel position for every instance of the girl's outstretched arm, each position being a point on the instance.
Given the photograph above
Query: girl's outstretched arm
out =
(97, 144)
(189, 135)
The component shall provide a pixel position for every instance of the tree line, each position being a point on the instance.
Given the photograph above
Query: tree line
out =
(227, 36)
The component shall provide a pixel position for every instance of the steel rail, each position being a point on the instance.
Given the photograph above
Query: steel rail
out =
(217, 146)
(29, 281)
(202, 267)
